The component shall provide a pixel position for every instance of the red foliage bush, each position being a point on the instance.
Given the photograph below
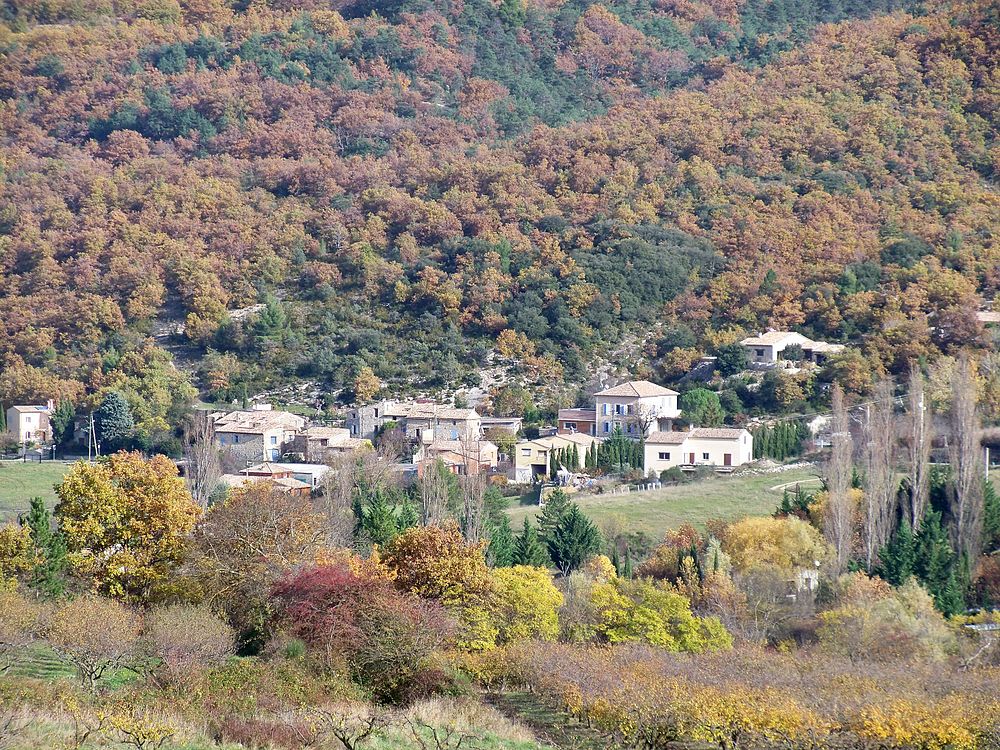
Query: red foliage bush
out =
(385, 638)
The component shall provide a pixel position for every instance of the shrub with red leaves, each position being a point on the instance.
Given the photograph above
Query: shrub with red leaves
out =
(384, 637)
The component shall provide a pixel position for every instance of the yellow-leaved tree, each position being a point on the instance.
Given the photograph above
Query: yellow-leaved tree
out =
(784, 543)
(525, 604)
(17, 555)
(126, 522)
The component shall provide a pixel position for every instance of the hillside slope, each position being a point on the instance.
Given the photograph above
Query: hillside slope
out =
(403, 183)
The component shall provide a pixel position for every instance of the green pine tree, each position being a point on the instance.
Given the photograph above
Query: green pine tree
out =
(114, 422)
(49, 575)
(627, 568)
(409, 516)
(614, 559)
(553, 464)
(935, 562)
(899, 556)
(500, 552)
(529, 549)
(379, 521)
(556, 506)
(573, 541)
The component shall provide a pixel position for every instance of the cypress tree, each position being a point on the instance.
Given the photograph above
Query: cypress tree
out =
(614, 559)
(991, 517)
(528, 548)
(627, 569)
(553, 465)
(62, 423)
(3, 418)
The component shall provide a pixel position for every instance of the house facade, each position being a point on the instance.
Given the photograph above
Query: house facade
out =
(364, 421)
(720, 447)
(429, 422)
(767, 348)
(577, 420)
(639, 407)
(257, 435)
(463, 457)
(531, 457)
(30, 423)
(320, 443)
(422, 422)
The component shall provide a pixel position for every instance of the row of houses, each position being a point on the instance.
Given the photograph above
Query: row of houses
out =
(281, 446)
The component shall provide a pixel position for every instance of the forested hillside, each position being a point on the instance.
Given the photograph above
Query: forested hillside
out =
(401, 182)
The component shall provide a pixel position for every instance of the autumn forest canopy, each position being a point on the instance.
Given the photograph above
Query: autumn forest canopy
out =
(396, 184)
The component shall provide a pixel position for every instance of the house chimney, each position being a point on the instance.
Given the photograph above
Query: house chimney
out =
(50, 405)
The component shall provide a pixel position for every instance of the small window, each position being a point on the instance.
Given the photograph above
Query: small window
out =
(607, 427)
(569, 425)
(704, 456)
(525, 451)
(274, 439)
(760, 352)
(664, 456)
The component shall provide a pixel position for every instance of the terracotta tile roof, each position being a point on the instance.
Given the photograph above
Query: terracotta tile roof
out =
(717, 433)
(459, 446)
(258, 422)
(666, 438)
(433, 411)
(582, 415)
(637, 389)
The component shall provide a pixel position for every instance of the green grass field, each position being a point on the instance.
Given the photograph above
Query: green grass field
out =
(19, 482)
(715, 497)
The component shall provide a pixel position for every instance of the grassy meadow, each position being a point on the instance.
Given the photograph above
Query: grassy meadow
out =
(722, 496)
(19, 482)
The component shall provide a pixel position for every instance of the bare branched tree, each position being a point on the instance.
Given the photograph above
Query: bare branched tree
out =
(434, 486)
(338, 488)
(880, 474)
(966, 462)
(919, 437)
(203, 465)
(429, 737)
(351, 725)
(837, 525)
(473, 484)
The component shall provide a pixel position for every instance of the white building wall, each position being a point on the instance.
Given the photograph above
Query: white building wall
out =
(699, 452)
(627, 411)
